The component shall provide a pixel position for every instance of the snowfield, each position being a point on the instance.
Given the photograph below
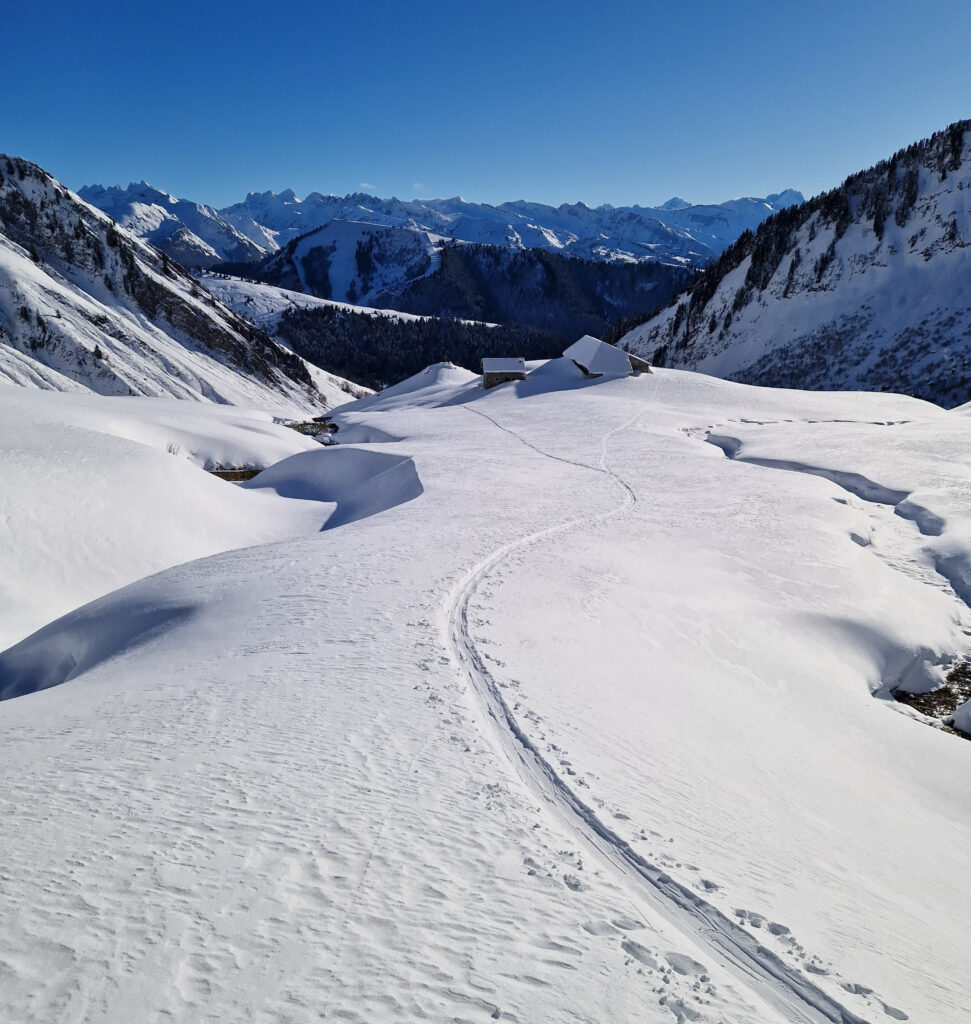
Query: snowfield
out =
(566, 701)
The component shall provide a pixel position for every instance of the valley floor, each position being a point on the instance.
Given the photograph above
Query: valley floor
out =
(567, 701)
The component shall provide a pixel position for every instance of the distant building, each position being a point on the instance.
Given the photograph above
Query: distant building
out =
(595, 358)
(498, 371)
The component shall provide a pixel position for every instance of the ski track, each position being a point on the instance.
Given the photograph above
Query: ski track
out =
(764, 974)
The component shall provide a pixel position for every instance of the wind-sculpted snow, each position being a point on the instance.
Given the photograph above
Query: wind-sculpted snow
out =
(83, 640)
(361, 483)
(97, 493)
(593, 728)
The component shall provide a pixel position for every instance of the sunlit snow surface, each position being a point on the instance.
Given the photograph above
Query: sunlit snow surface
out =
(588, 725)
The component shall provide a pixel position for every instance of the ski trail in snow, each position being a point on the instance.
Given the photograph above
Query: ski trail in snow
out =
(783, 988)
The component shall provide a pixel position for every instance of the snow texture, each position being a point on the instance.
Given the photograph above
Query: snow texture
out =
(578, 710)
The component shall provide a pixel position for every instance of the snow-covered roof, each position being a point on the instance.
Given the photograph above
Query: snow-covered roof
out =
(596, 357)
(507, 364)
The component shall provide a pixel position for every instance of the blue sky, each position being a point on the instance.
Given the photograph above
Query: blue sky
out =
(615, 102)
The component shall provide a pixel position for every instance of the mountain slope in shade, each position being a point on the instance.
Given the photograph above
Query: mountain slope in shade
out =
(864, 287)
(411, 270)
(87, 306)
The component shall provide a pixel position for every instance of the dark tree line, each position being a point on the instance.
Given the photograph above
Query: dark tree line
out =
(378, 350)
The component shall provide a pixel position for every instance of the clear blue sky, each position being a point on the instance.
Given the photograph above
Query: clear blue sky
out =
(619, 102)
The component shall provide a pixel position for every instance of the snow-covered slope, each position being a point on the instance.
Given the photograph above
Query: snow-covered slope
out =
(264, 304)
(87, 305)
(353, 262)
(863, 287)
(564, 715)
(98, 492)
(193, 234)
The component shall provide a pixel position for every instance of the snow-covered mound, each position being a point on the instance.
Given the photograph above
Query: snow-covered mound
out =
(86, 305)
(597, 726)
(360, 483)
(98, 492)
(436, 384)
(862, 287)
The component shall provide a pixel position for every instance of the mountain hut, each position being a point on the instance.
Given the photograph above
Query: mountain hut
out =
(498, 371)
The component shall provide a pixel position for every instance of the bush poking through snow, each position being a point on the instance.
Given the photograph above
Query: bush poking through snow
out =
(950, 703)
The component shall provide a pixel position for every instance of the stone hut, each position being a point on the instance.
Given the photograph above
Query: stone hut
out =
(498, 371)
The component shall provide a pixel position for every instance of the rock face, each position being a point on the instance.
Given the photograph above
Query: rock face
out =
(87, 305)
(863, 287)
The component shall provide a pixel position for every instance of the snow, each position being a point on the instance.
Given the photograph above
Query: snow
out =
(194, 234)
(82, 317)
(597, 358)
(264, 304)
(99, 492)
(577, 709)
(962, 717)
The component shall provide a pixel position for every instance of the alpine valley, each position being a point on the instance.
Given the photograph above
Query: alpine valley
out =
(341, 681)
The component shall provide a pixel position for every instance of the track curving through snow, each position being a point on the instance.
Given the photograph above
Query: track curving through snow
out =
(786, 990)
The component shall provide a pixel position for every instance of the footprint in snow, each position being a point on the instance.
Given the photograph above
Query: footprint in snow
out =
(640, 953)
(685, 966)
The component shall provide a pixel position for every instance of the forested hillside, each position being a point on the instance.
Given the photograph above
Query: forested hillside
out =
(861, 287)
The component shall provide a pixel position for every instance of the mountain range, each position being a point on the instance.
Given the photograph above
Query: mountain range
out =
(864, 287)
(201, 236)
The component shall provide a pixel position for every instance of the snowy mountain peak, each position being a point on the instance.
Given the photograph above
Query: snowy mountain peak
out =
(676, 203)
(787, 197)
(193, 234)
